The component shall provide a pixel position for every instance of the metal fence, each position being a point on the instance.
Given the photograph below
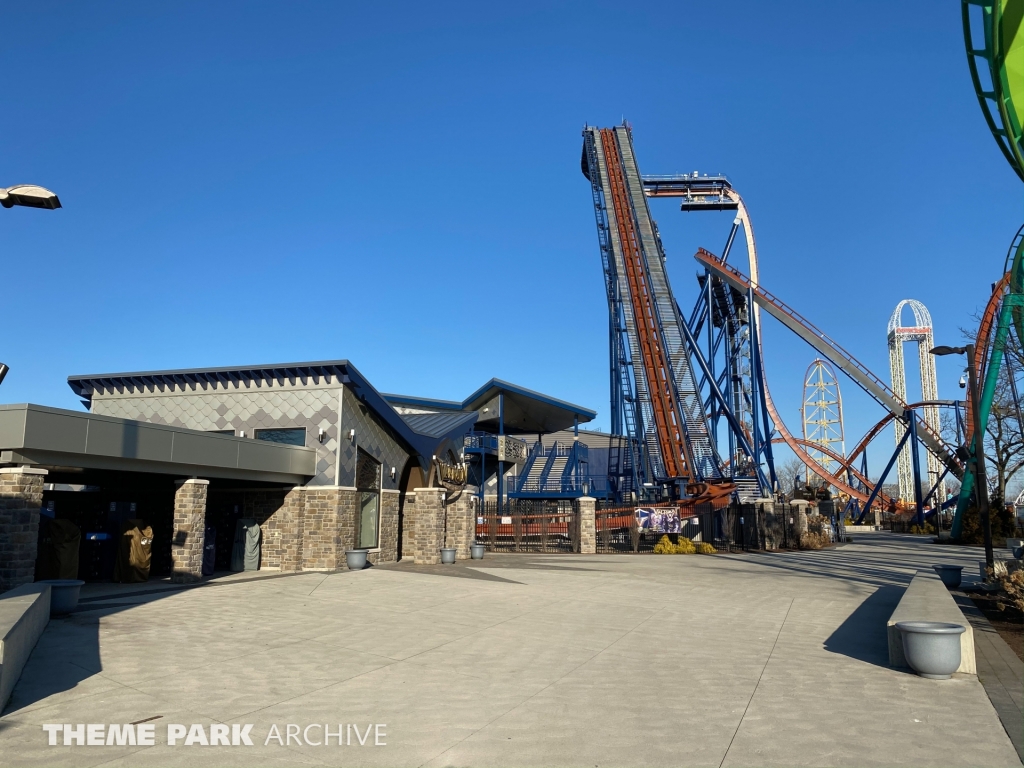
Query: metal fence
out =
(736, 528)
(530, 525)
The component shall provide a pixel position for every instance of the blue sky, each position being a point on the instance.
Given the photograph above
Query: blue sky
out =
(399, 184)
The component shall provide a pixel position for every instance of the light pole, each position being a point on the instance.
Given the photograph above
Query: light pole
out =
(980, 478)
(29, 196)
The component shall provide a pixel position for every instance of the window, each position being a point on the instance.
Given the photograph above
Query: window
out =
(221, 432)
(368, 485)
(289, 436)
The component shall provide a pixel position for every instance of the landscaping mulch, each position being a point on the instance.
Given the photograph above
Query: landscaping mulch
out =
(1008, 622)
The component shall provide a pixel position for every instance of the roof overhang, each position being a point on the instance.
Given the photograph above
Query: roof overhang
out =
(525, 411)
(54, 437)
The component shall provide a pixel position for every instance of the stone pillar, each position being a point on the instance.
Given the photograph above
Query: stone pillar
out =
(348, 508)
(588, 525)
(408, 526)
(462, 522)
(876, 514)
(799, 516)
(389, 501)
(428, 527)
(290, 519)
(21, 496)
(189, 531)
(766, 512)
(318, 547)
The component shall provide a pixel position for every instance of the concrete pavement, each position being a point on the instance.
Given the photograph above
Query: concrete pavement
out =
(725, 660)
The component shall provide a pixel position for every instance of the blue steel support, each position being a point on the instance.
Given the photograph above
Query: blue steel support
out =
(757, 379)
(735, 428)
(878, 486)
(501, 464)
(911, 418)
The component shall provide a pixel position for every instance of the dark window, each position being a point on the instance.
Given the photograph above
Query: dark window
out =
(368, 484)
(289, 436)
(221, 432)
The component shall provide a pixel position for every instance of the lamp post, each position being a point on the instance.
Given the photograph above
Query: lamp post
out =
(28, 196)
(978, 455)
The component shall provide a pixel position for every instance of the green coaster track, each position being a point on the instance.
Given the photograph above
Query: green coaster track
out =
(997, 71)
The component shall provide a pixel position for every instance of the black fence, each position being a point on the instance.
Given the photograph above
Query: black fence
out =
(735, 528)
(530, 525)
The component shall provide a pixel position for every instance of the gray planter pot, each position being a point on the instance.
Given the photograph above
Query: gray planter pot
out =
(447, 555)
(63, 595)
(932, 648)
(951, 575)
(476, 551)
(355, 559)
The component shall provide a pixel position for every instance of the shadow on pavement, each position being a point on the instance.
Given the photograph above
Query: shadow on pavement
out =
(863, 635)
(70, 644)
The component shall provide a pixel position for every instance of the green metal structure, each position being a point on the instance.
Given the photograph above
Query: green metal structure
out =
(1010, 313)
(997, 70)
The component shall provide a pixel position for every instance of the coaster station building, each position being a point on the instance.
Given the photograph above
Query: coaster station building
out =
(311, 451)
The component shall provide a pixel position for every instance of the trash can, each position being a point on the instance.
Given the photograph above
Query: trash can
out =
(245, 554)
(209, 550)
(134, 552)
(58, 550)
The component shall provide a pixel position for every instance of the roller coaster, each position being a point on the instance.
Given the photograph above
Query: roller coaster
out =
(689, 393)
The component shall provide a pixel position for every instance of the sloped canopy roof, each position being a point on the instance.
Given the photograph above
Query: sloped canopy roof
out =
(526, 411)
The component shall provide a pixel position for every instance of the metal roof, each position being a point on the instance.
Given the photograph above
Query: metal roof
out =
(441, 425)
(526, 411)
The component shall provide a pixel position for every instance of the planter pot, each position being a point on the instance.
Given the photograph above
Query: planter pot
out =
(355, 559)
(447, 555)
(476, 551)
(932, 648)
(63, 595)
(950, 574)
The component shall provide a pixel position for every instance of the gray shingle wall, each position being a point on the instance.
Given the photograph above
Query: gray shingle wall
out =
(248, 409)
(373, 436)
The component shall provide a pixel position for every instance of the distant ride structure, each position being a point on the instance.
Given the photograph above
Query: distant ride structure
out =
(898, 335)
(822, 412)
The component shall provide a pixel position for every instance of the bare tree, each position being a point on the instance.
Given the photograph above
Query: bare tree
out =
(1004, 438)
(787, 473)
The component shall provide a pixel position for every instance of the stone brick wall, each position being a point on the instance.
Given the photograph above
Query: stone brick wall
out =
(290, 524)
(407, 521)
(189, 531)
(462, 522)
(388, 528)
(588, 525)
(428, 526)
(21, 496)
(319, 530)
(263, 506)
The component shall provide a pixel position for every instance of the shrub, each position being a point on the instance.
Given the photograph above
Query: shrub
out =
(812, 540)
(1012, 586)
(703, 548)
(685, 546)
(664, 546)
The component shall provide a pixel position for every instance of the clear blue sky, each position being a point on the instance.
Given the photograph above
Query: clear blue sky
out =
(399, 184)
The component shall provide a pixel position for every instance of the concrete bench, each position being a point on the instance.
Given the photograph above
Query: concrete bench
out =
(927, 599)
(24, 613)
